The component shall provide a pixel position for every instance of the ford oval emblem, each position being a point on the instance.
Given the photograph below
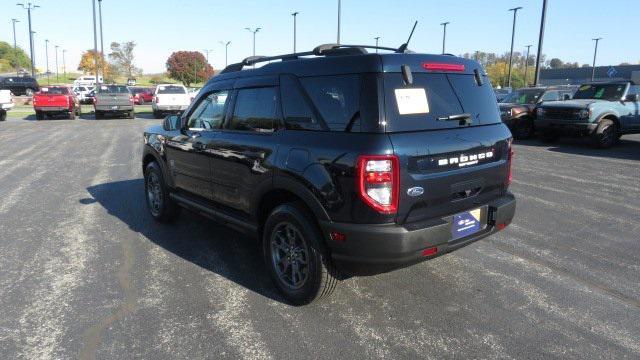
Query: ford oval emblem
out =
(415, 191)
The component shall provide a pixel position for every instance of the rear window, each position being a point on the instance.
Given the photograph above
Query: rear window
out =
(446, 95)
(55, 91)
(119, 89)
(170, 89)
(337, 98)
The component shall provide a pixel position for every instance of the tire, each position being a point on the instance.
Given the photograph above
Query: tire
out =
(72, 115)
(141, 101)
(99, 115)
(159, 203)
(39, 115)
(523, 129)
(548, 136)
(131, 115)
(29, 92)
(290, 231)
(157, 114)
(606, 134)
(3, 115)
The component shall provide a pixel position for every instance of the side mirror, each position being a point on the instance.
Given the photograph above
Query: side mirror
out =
(171, 123)
(632, 97)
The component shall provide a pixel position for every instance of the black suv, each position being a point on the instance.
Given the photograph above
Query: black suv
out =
(342, 162)
(20, 85)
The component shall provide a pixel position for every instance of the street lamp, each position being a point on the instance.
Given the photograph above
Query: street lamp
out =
(57, 77)
(254, 31)
(226, 51)
(15, 44)
(295, 15)
(339, 19)
(540, 41)
(30, 7)
(526, 64)
(207, 51)
(101, 36)
(377, 38)
(95, 43)
(33, 42)
(444, 34)
(595, 53)
(513, 33)
(64, 65)
(46, 55)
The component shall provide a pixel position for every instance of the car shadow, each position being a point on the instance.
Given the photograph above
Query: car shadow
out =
(192, 237)
(625, 149)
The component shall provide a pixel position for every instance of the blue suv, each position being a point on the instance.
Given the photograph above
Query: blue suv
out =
(602, 111)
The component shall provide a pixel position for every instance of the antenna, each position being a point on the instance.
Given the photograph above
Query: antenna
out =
(404, 46)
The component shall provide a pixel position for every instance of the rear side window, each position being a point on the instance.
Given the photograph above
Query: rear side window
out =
(255, 110)
(447, 95)
(335, 97)
(298, 115)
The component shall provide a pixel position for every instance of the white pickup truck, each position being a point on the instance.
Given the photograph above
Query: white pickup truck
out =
(6, 103)
(169, 98)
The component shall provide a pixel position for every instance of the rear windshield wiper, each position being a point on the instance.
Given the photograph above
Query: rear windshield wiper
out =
(464, 119)
(352, 121)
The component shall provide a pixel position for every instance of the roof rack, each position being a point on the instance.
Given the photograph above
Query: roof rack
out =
(321, 50)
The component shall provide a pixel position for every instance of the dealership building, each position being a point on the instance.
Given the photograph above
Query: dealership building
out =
(576, 76)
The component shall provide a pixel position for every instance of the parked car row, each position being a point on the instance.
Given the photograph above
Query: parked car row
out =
(602, 111)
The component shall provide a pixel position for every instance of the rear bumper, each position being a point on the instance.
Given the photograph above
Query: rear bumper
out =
(109, 108)
(51, 108)
(7, 106)
(567, 127)
(169, 108)
(373, 249)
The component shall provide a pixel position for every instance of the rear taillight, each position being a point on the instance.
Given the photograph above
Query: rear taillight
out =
(509, 161)
(443, 67)
(378, 182)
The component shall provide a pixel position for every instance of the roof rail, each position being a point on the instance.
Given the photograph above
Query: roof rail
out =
(321, 50)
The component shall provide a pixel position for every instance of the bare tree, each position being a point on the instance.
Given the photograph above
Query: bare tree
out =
(122, 57)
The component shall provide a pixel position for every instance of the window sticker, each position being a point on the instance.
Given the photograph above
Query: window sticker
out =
(161, 88)
(599, 93)
(585, 87)
(412, 101)
(44, 89)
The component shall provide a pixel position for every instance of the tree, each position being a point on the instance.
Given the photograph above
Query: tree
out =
(556, 63)
(189, 67)
(15, 58)
(88, 63)
(122, 58)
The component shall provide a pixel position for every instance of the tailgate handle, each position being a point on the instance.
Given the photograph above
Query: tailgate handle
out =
(464, 194)
(466, 189)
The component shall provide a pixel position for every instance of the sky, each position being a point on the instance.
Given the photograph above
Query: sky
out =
(160, 27)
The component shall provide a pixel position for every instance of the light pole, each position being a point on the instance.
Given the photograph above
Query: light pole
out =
(46, 56)
(295, 26)
(226, 51)
(30, 7)
(254, 31)
(101, 37)
(64, 65)
(15, 44)
(595, 53)
(444, 34)
(540, 41)
(526, 64)
(33, 45)
(377, 38)
(207, 51)
(513, 34)
(339, 19)
(57, 76)
(95, 43)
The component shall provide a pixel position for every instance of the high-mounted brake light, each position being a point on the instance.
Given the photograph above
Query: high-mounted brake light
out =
(378, 182)
(443, 67)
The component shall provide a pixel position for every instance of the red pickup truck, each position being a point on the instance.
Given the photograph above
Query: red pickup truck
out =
(56, 100)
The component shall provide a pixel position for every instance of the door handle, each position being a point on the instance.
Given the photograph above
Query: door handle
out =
(198, 146)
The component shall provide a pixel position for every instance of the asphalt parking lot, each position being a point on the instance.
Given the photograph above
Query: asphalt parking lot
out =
(86, 273)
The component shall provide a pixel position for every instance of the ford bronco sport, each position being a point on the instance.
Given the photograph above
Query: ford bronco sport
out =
(602, 111)
(341, 162)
